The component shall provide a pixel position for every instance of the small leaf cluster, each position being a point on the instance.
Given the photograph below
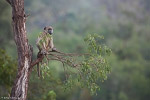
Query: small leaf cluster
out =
(45, 70)
(50, 96)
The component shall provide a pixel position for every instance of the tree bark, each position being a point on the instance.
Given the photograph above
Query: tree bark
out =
(19, 90)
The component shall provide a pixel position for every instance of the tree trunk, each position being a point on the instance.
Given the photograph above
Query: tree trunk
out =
(19, 90)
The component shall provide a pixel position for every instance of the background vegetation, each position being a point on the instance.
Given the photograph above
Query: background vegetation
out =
(125, 24)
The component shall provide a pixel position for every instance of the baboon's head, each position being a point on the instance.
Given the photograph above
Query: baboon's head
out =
(48, 29)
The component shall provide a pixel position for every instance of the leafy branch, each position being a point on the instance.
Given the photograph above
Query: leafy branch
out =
(84, 69)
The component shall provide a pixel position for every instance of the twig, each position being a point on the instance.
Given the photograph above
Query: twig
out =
(9, 1)
(67, 54)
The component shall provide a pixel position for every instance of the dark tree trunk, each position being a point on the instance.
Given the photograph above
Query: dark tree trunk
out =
(19, 90)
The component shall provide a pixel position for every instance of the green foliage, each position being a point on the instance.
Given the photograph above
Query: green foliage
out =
(93, 66)
(50, 80)
(8, 68)
(51, 96)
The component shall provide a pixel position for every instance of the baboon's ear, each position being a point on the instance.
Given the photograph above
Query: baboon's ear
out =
(45, 28)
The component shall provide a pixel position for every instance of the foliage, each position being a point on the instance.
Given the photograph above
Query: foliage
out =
(50, 96)
(7, 71)
(93, 66)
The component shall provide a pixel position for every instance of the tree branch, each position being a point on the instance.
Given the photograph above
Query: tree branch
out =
(67, 54)
(36, 61)
(8, 1)
(57, 55)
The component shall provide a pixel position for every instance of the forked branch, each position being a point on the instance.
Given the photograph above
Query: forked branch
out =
(58, 56)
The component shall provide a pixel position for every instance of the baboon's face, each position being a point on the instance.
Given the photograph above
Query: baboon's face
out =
(49, 29)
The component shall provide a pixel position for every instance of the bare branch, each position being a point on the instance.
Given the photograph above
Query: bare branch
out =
(67, 54)
(36, 61)
(27, 15)
(8, 1)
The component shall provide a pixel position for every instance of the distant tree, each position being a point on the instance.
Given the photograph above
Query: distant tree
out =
(89, 69)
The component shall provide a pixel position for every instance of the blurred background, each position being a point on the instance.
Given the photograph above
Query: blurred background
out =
(125, 24)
